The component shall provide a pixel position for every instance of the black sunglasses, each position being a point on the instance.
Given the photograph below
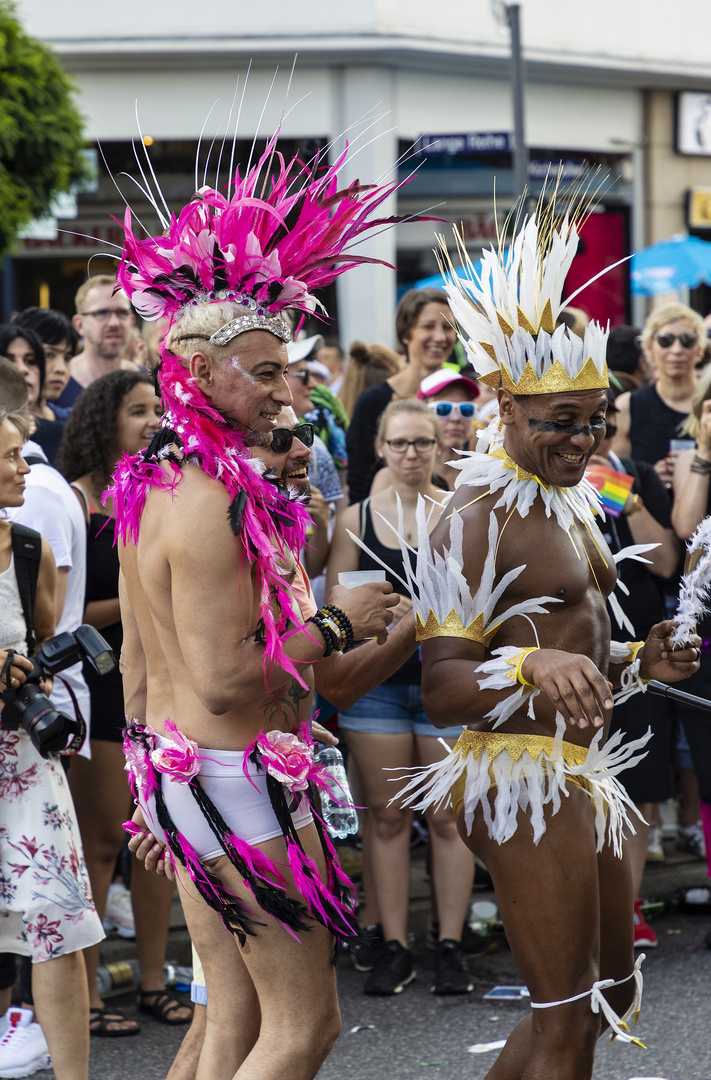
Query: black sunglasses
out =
(303, 376)
(687, 341)
(283, 438)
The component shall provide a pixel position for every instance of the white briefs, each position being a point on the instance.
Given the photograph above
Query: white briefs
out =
(246, 810)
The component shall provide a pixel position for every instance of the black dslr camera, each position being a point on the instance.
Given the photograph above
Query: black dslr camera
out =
(52, 731)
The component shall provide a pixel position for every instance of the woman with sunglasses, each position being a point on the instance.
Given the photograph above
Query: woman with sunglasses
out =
(388, 728)
(451, 397)
(649, 419)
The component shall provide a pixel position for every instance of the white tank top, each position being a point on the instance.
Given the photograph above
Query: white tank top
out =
(13, 632)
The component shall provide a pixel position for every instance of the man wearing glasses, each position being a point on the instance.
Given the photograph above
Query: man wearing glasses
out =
(103, 320)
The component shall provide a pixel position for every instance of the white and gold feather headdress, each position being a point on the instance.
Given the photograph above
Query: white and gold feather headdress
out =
(507, 311)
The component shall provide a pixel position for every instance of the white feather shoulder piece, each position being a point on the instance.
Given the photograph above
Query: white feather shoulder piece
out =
(695, 588)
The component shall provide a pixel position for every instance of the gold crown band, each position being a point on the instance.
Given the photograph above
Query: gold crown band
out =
(453, 627)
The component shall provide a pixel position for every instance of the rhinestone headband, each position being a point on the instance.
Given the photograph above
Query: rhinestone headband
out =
(255, 321)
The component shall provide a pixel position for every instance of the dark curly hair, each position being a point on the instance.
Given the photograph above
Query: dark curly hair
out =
(90, 441)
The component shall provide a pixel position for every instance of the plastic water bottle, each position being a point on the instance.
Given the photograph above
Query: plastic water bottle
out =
(339, 813)
(178, 976)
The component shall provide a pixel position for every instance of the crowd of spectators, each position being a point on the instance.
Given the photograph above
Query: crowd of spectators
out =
(371, 433)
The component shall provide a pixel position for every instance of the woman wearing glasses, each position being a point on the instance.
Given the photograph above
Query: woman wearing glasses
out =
(388, 729)
(649, 419)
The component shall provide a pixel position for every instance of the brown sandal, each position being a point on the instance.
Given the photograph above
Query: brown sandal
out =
(163, 1004)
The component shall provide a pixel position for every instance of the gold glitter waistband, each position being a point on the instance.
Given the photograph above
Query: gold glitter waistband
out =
(494, 742)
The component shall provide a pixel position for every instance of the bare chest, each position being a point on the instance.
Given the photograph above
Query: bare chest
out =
(571, 566)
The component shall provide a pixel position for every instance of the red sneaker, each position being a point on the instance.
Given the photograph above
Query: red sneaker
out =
(644, 936)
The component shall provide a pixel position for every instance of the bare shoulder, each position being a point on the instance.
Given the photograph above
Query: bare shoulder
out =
(475, 506)
(348, 519)
(196, 500)
(193, 527)
(623, 402)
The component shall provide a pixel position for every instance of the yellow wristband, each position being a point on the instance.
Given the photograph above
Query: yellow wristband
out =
(516, 662)
(634, 647)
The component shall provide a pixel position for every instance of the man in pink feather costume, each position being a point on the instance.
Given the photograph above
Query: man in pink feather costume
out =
(218, 657)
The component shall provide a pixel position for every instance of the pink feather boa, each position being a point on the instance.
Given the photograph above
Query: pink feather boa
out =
(220, 451)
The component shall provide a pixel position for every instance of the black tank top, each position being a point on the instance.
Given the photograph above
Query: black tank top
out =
(652, 425)
(411, 670)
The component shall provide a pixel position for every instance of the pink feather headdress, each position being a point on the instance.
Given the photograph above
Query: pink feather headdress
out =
(266, 248)
(269, 245)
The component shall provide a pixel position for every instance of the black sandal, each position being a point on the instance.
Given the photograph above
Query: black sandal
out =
(163, 1004)
(107, 1016)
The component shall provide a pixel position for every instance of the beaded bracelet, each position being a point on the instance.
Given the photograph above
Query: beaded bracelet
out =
(343, 622)
(331, 639)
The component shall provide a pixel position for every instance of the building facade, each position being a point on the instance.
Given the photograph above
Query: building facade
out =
(599, 92)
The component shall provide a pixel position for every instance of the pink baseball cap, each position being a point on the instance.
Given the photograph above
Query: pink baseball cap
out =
(440, 380)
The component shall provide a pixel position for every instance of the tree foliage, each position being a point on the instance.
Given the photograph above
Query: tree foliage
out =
(41, 136)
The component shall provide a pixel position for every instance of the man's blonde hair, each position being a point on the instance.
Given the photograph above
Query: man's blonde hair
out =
(91, 283)
(193, 329)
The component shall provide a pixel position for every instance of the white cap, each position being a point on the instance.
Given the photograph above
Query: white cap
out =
(302, 349)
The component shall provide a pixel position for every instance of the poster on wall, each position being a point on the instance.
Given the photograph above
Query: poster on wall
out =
(693, 123)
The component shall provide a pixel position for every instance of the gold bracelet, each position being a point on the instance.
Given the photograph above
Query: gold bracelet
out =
(637, 504)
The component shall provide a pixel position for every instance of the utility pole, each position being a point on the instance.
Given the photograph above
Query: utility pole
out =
(510, 15)
(520, 154)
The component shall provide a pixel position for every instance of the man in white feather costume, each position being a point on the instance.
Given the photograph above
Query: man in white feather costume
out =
(510, 596)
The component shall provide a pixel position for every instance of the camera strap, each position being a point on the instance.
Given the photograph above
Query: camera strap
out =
(77, 727)
(27, 552)
(10, 718)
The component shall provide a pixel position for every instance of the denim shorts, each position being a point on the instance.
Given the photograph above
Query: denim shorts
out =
(393, 710)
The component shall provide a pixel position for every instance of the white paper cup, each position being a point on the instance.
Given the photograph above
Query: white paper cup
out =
(353, 578)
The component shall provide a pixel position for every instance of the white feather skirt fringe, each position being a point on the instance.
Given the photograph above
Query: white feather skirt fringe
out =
(531, 783)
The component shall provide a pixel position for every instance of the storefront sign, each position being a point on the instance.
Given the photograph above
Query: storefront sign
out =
(566, 168)
(698, 215)
(693, 124)
(468, 142)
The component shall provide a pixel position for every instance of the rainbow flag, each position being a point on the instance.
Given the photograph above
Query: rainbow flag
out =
(613, 487)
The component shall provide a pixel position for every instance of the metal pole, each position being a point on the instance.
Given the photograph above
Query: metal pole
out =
(673, 694)
(7, 299)
(520, 156)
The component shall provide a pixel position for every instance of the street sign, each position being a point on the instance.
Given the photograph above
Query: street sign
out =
(467, 142)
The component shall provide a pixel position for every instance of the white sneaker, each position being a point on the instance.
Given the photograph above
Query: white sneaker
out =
(691, 838)
(655, 848)
(23, 1047)
(119, 912)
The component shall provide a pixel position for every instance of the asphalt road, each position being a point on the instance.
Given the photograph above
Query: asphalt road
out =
(416, 1034)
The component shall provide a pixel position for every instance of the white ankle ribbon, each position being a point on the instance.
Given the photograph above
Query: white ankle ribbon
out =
(599, 1003)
